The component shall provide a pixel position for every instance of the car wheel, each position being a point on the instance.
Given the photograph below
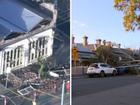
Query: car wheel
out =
(102, 73)
(118, 72)
(114, 73)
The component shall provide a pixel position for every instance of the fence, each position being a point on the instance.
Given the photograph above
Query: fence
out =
(79, 70)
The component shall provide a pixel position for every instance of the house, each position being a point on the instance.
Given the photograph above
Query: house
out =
(26, 32)
(85, 51)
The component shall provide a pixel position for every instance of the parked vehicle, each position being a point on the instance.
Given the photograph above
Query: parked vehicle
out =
(128, 70)
(101, 69)
(122, 70)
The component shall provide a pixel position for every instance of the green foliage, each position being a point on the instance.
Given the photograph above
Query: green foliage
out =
(103, 53)
(89, 61)
(113, 60)
(85, 63)
(43, 71)
(131, 9)
(106, 55)
(93, 60)
(133, 71)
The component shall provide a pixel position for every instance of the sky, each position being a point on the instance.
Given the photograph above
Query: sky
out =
(99, 19)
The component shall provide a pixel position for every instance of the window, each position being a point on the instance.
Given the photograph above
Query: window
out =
(40, 48)
(104, 65)
(36, 48)
(7, 56)
(14, 64)
(94, 65)
(11, 58)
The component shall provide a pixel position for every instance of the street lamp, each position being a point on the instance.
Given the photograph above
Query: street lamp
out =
(8, 70)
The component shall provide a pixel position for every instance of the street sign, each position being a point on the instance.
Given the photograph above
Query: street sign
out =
(74, 54)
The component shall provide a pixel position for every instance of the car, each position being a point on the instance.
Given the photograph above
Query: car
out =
(122, 70)
(101, 69)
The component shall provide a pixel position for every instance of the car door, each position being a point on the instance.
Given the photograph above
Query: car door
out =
(94, 67)
(110, 69)
(106, 68)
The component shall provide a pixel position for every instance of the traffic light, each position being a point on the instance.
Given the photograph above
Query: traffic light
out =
(75, 53)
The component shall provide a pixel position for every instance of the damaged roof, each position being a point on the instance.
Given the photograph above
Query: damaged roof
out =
(19, 16)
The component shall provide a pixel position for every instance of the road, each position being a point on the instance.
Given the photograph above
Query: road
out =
(119, 90)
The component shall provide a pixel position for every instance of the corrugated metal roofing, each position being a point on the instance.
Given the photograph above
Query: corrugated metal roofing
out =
(14, 17)
(82, 49)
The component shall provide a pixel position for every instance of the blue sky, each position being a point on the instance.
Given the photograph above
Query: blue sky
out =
(98, 19)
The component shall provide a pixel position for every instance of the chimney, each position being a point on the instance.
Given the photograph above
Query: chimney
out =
(104, 42)
(119, 45)
(85, 42)
(98, 41)
(109, 43)
(73, 38)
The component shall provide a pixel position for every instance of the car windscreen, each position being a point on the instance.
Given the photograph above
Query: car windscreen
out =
(94, 65)
(105, 65)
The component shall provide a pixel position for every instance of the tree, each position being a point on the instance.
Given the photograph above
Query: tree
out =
(93, 60)
(43, 71)
(103, 53)
(113, 60)
(89, 61)
(131, 9)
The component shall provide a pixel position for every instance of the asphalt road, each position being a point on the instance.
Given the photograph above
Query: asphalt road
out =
(119, 90)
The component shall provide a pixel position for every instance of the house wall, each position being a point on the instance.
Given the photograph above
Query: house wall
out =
(25, 52)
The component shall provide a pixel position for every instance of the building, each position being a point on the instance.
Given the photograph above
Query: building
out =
(85, 50)
(84, 53)
(26, 31)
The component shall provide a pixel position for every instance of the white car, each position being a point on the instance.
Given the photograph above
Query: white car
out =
(101, 69)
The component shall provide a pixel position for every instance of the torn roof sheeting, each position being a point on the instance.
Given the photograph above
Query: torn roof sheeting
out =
(3, 30)
(14, 17)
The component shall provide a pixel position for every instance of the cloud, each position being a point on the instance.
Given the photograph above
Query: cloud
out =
(83, 25)
(75, 21)
(79, 24)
